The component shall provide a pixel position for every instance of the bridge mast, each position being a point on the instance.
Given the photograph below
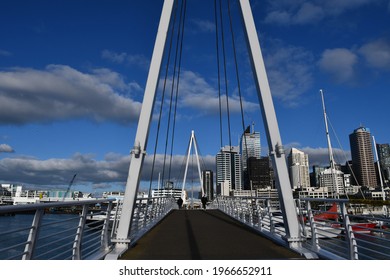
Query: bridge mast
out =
(271, 127)
(139, 150)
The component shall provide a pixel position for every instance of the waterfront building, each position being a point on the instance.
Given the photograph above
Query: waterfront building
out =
(315, 175)
(208, 183)
(298, 164)
(334, 181)
(363, 157)
(176, 193)
(384, 160)
(228, 167)
(312, 192)
(250, 146)
(259, 174)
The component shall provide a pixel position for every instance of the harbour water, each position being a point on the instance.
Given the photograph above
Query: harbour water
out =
(55, 231)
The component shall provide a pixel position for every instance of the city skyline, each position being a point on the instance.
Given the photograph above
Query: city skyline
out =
(72, 80)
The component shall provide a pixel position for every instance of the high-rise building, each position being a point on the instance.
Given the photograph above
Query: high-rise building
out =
(384, 160)
(315, 175)
(259, 174)
(334, 181)
(208, 184)
(250, 146)
(363, 157)
(298, 164)
(228, 169)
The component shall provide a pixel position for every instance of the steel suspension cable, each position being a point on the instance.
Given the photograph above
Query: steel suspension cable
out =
(162, 99)
(225, 73)
(218, 71)
(239, 90)
(177, 86)
(236, 66)
(181, 21)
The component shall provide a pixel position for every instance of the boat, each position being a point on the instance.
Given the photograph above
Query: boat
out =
(358, 224)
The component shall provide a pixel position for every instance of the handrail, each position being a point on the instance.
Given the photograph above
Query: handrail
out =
(35, 206)
(335, 235)
(88, 234)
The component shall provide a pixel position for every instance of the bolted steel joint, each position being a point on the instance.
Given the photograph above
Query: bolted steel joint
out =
(279, 150)
(136, 150)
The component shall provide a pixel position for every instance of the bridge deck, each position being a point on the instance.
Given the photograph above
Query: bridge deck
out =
(210, 234)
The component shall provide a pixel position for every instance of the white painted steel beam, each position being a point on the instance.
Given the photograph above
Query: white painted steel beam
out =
(271, 126)
(139, 150)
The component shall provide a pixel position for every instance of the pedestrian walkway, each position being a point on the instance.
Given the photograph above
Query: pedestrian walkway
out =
(210, 234)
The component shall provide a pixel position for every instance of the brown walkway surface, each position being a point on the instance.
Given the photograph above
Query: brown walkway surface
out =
(187, 235)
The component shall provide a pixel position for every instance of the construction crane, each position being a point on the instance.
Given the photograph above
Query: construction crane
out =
(70, 185)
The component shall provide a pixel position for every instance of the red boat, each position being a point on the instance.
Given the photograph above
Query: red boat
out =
(332, 215)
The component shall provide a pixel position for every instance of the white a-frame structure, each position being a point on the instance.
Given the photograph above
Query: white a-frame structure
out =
(270, 123)
(192, 142)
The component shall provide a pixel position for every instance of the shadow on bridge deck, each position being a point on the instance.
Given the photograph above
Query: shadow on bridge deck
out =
(194, 235)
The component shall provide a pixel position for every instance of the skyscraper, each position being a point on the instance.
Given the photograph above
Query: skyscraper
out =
(228, 169)
(250, 146)
(298, 164)
(363, 157)
(208, 184)
(260, 174)
(384, 160)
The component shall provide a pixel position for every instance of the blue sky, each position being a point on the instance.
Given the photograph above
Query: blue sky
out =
(72, 75)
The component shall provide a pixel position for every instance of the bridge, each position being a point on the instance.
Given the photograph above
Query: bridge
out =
(205, 235)
(230, 228)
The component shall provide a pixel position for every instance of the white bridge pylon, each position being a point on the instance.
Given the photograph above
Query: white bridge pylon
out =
(192, 141)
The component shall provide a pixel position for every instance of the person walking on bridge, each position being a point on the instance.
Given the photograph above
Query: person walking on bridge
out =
(204, 201)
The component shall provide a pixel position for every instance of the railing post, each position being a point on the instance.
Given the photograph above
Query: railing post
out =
(352, 246)
(118, 211)
(79, 234)
(33, 235)
(105, 237)
(251, 216)
(313, 228)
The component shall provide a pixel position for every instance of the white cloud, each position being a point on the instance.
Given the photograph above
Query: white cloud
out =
(320, 156)
(343, 64)
(204, 26)
(289, 70)
(5, 148)
(196, 93)
(5, 53)
(288, 12)
(340, 63)
(60, 92)
(125, 58)
(101, 173)
(377, 54)
(309, 12)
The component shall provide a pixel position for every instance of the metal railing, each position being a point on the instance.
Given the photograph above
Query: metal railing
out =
(57, 231)
(334, 230)
(73, 230)
(335, 233)
(147, 213)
